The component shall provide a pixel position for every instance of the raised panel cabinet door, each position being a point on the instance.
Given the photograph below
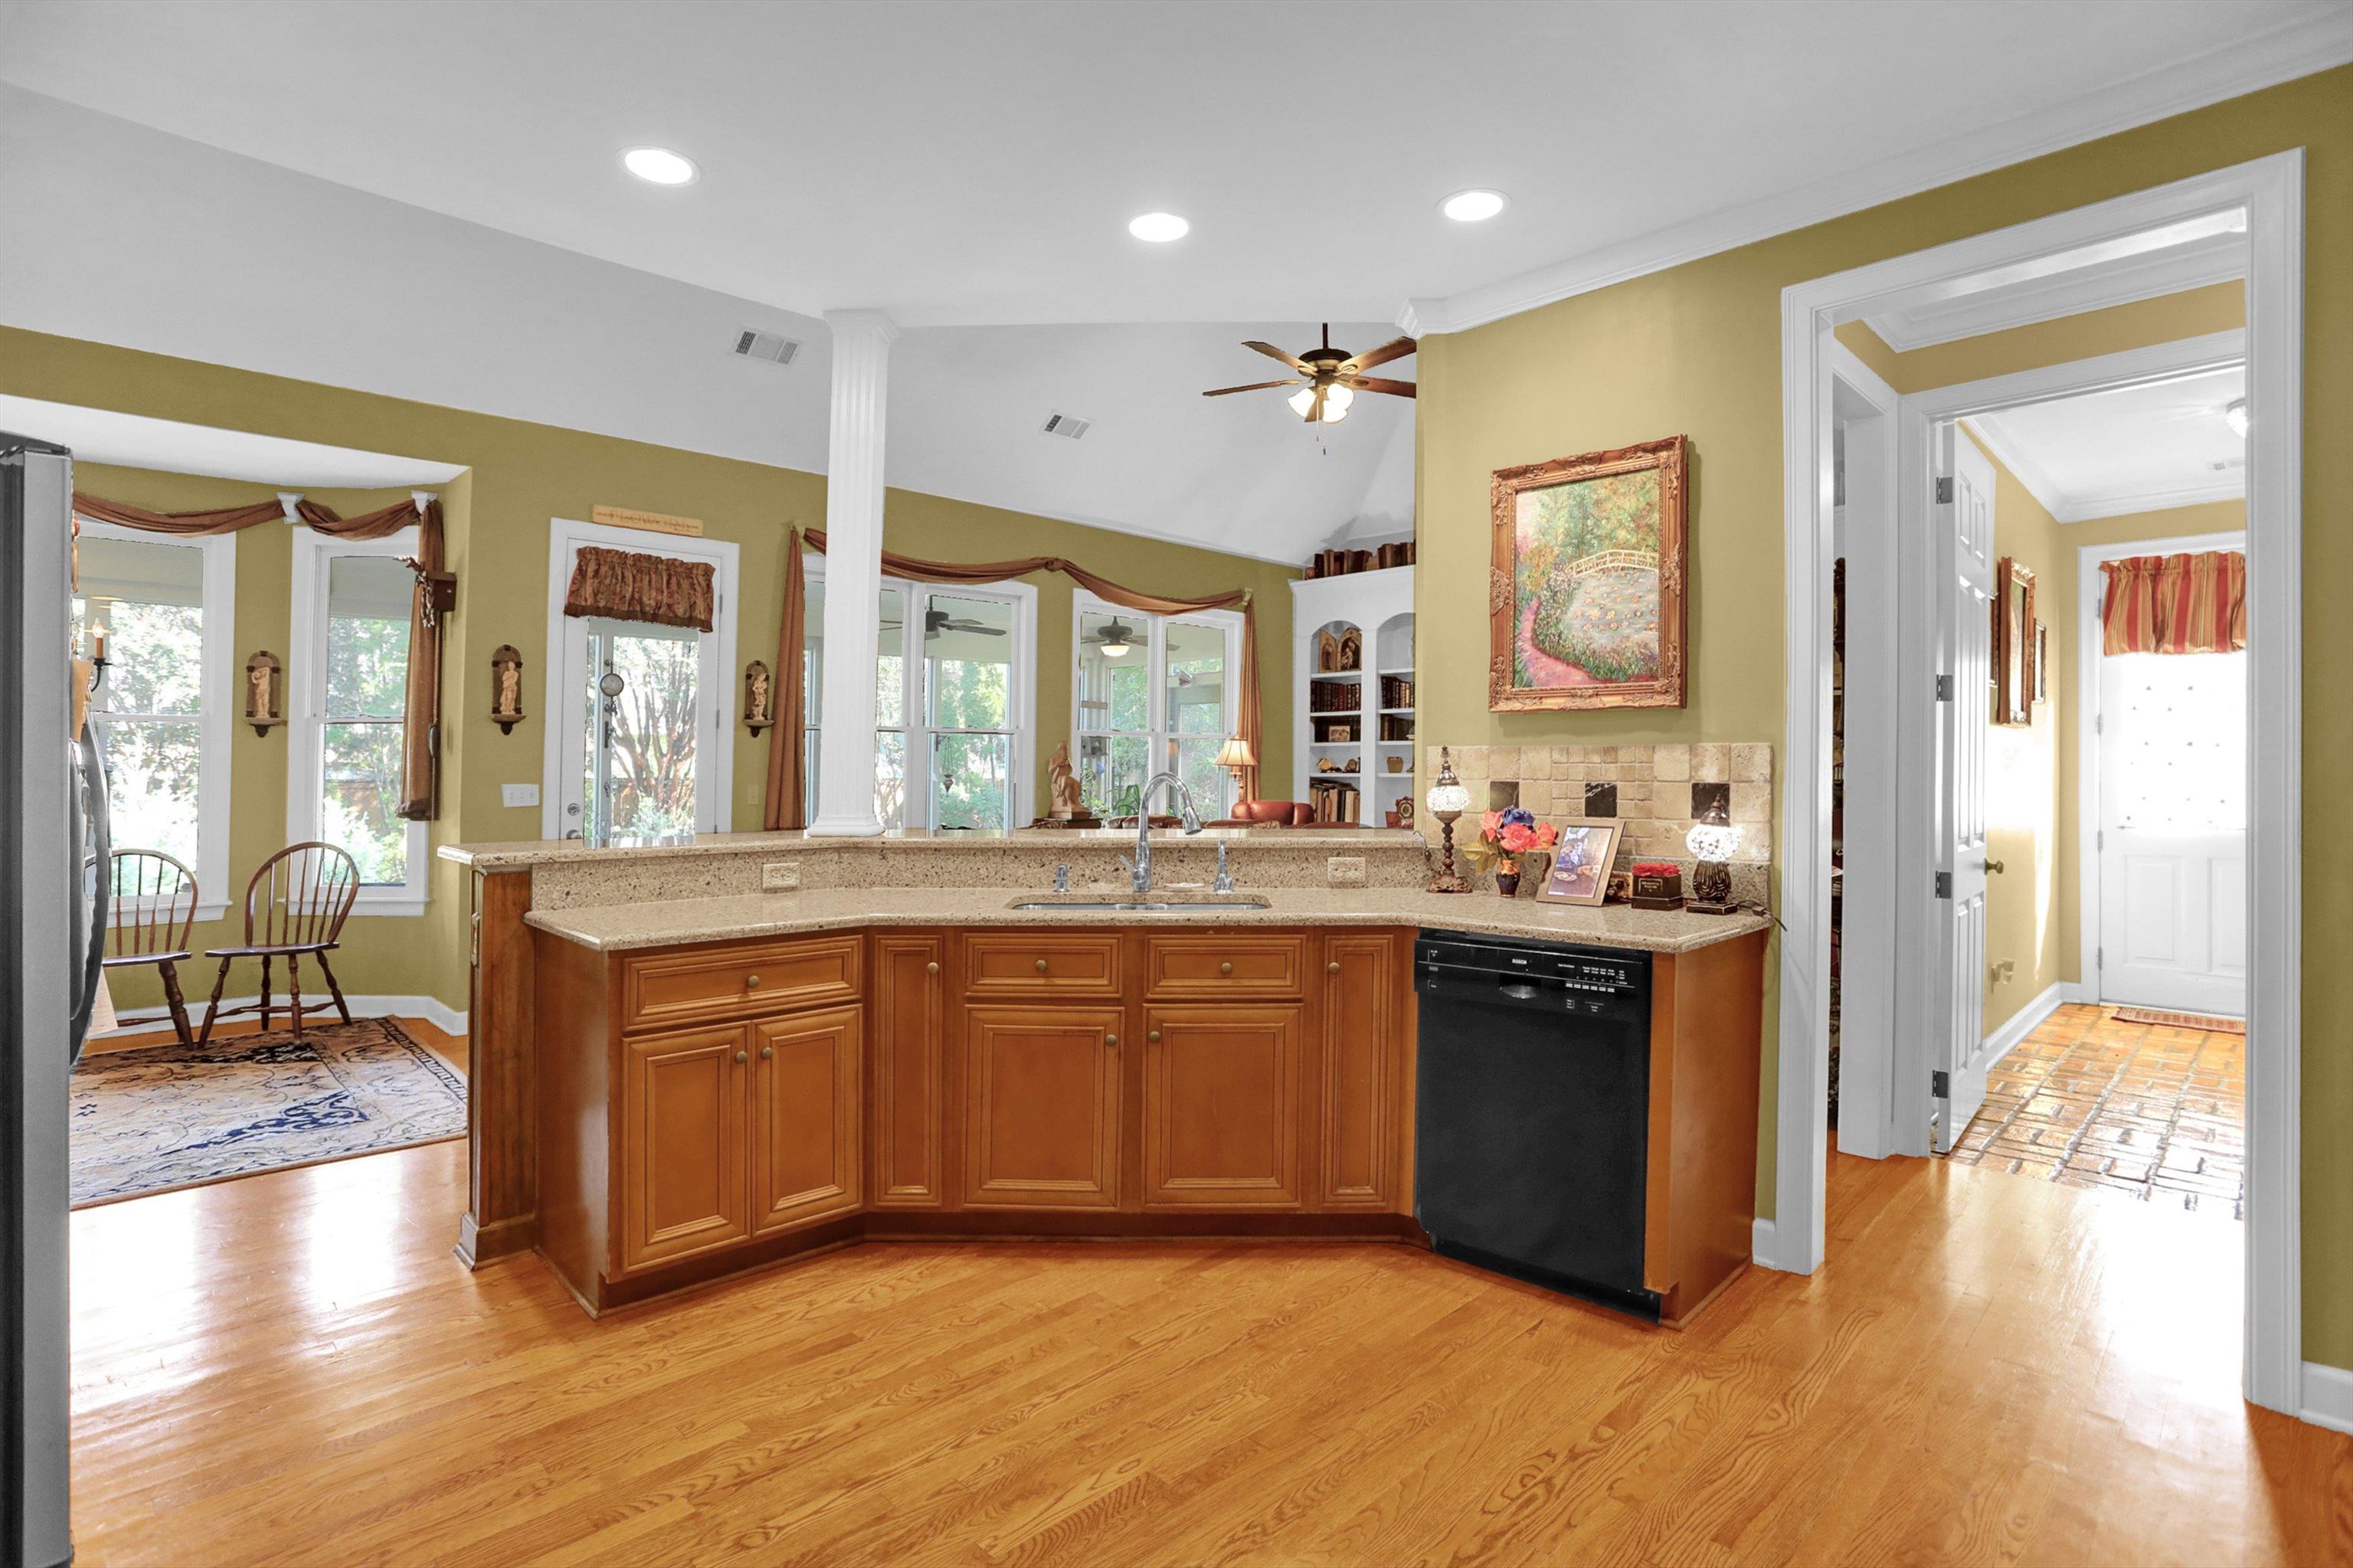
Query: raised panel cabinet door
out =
(1042, 1112)
(1361, 1098)
(805, 1110)
(685, 1183)
(1221, 1106)
(910, 1052)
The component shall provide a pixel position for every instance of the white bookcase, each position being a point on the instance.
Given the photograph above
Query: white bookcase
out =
(1372, 612)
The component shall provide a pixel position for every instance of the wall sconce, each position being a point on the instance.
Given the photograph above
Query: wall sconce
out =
(759, 697)
(264, 688)
(506, 688)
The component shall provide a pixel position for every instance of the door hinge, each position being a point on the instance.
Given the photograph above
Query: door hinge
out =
(1944, 491)
(1944, 884)
(2100, 838)
(2099, 957)
(2099, 723)
(1943, 688)
(1940, 1084)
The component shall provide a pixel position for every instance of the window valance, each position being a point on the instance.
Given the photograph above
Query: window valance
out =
(629, 585)
(2175, 604)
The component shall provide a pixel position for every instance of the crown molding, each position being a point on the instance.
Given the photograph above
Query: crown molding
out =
(2296, 49)
(2124, 503)
(2218, 258)
(2011, 456)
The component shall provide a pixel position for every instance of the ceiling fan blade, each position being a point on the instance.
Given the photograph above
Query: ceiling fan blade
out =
(1379, 383)
(1253, 386)
(1273, 353)
(1396, 348)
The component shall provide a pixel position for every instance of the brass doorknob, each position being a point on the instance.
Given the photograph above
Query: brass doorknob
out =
(751, 982)
(1333, 968)
(741, 1057)
(1111, 1040)
(1042, 966)
(931, 969)
(1225, 968)
(1154, 1036)
(767, 1051)
(1994, 866)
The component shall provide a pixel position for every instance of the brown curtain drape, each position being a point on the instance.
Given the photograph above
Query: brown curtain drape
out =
(420, 760)
(2175, 604)
(1248, 712)
(787, 805)
(629, 585)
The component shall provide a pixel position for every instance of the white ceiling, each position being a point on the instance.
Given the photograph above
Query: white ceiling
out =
(2139, 449)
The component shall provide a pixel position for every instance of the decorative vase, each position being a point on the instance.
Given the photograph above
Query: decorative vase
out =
(1507, 876)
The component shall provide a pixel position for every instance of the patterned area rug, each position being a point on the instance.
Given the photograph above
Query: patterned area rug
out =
(178, 1116)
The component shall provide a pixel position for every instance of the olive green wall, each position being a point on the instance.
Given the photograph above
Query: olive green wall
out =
(1696, 349)
(518, 476)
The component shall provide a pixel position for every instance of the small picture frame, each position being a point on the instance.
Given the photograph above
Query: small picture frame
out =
(2042, 663)
(1581, 862)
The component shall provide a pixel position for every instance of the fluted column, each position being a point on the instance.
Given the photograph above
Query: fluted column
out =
(853, 573)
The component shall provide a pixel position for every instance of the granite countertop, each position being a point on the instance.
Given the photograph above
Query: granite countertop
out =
(521, 853)
(614, 927)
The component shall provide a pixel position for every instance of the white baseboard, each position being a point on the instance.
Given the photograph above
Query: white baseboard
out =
(2327, 1397)
(139, 1020)
(2078, 992)
(2021, 1024)
(1761, 1244)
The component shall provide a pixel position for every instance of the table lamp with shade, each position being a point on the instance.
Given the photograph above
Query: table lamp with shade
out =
(1235, 756)
(1446, 801)
(1711, 844)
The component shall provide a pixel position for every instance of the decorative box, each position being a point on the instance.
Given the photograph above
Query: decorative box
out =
(1658, 884)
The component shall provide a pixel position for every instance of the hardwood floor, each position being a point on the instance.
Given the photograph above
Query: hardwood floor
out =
(289, 1369)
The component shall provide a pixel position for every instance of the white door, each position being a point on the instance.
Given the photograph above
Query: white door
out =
(639, 724)
(2172, 838)
(1961, 538)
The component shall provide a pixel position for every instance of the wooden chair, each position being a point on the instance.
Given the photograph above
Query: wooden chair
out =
(152, 909)
(296, 904)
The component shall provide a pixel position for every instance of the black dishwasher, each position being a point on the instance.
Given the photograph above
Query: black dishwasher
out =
(1532, 1121)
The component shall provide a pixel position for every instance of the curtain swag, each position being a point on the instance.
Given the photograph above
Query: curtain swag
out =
(629, 585)
(435, 593)
(787, 787)
(2175, 604)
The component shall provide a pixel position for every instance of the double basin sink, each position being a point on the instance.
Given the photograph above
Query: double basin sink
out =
(1145, 905)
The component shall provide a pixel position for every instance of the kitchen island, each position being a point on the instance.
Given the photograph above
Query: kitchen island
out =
(680, 1074)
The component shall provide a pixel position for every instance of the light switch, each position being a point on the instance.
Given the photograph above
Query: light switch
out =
(519, 794)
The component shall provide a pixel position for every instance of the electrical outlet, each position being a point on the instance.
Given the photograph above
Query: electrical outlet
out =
(518, 794)
(780, 877)
(1345, 869)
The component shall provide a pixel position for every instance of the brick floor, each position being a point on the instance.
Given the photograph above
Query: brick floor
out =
(2151, 1111)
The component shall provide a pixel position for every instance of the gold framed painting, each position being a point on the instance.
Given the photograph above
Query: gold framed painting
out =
(1585, 590)
(2014, 643)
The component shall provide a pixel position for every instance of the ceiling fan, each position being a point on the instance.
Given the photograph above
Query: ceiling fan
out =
(1333, 377)
(1112, 639)
(938, 621)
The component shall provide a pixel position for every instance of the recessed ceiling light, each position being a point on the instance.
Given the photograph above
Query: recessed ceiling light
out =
(1159, 228)
(661, 166)
(1473, 207)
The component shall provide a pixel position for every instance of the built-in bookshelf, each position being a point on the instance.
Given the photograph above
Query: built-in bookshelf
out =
(1353, 709)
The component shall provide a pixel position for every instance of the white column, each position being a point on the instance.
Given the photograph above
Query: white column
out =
(853, 573)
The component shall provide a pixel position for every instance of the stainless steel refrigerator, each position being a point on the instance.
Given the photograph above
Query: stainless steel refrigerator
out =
(53, 859)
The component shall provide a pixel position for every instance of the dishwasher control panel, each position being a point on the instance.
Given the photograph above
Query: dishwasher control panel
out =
(1605, 971)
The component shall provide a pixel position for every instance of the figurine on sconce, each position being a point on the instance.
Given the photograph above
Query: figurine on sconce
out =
(506, 688)
(759, 697)
(265, 687)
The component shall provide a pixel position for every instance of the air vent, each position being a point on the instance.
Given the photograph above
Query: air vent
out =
(2227, 464)
(774, 347)
(1069, 425)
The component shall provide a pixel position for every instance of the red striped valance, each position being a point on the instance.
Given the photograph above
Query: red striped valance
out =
(2175, 604)
(629, 585)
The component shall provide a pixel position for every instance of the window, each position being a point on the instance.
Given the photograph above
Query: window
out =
(951, 745)
(167, 609)
(347, 693)
(1151, 693)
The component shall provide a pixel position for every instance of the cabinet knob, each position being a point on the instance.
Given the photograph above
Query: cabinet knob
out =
(1111, 1040)
(1333, 968)
(767, 1051)
(751, 982)
(741, 1057)
(1042, 966)
(1226, 969)
(931, 968)
(1154, 1037)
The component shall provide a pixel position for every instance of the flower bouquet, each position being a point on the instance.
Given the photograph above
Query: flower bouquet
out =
(1505, 836)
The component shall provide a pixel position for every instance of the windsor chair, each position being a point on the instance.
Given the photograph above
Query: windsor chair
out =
(296, 904)
(152, 910)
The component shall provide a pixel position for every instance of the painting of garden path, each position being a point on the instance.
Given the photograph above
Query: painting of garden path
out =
(1586, 588)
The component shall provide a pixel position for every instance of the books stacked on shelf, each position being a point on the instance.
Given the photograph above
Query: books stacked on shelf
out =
(1331, 800)
(1396, 692)
(1334, 696)
(1396, 726)
(1343, 562)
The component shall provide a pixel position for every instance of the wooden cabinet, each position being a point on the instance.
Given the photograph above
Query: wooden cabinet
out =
(805, 1117)
(683, 1179)
(1361, 1099)
(1218, 965)
(1041, 1106)
(1072, 964)
(685, 987)
(1222, 1105)
(909, 1047)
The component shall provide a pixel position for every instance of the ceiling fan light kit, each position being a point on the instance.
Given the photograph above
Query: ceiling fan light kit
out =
(1331, 377)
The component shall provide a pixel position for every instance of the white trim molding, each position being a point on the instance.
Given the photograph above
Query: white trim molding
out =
(2021, 1024)
(2215, 259)
(2267, 196)
(2327, 1399)
(433, 1010)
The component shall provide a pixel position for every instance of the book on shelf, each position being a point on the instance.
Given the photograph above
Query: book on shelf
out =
(1334, 696)
(1332, 800)
(1396, 692)
(1396, 726)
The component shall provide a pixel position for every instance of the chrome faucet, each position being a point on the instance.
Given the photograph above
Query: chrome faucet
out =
(1225, 882)
(1139, 870)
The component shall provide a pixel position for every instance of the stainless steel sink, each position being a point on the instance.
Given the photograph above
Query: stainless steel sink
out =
(1142, 905)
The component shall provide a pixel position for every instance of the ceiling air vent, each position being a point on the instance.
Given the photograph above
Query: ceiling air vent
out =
(774, 347)
(1069, 425)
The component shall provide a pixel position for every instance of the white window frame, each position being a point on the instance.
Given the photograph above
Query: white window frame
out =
(306, 700)
(215, 703)
(1021, 690)
(565, 746)
(1155, 627)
